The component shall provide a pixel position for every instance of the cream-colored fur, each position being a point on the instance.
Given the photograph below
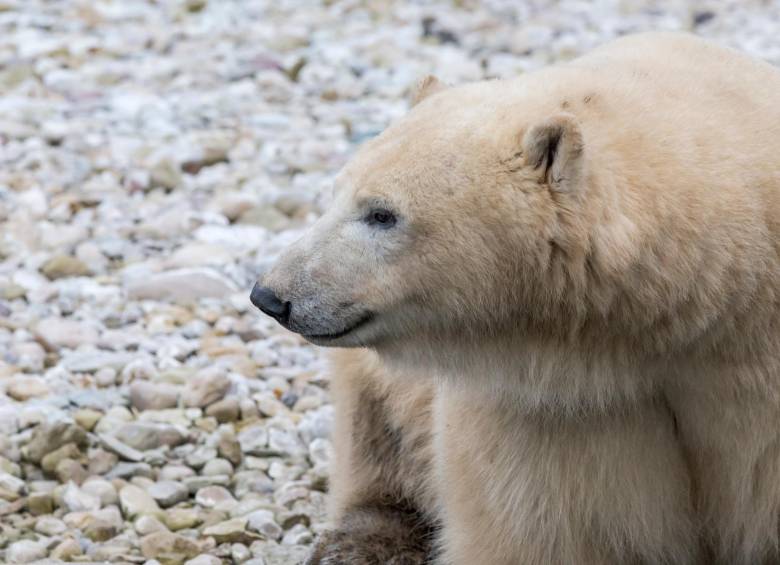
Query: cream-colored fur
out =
(572, 330)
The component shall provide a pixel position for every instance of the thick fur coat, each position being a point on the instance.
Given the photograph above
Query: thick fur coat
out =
(560, 296)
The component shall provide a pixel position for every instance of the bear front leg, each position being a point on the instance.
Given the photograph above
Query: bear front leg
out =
(601, 488)
(374, 536)
(379, 495)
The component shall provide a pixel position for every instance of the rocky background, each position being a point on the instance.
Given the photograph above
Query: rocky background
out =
(155, 156)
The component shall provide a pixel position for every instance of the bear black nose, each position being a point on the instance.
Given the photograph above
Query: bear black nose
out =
(266, 299)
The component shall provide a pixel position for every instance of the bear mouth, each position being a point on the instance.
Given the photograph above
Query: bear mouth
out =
(331, 336)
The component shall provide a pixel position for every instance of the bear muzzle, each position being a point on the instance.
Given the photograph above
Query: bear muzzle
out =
(269, 303)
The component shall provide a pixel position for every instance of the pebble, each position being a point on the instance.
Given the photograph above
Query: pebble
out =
(49, 437)
(231, 531)
(25, 551)
(62, 332)
(101, 488)
(63, 266)
(148, 524)
(66, 550)
(146, 395)
(169, 546)
(225, 410)
(50, 461)
(50, 526)
(168, 493)
(182, 518)
(217, 467)
(134, 501)
(205, 388)
(204, 560)
(40, 503)
(262, 522)
(214, 496)
(149, 435)
(121, 449)
(181, 285)
(77, 499)
(25, 388)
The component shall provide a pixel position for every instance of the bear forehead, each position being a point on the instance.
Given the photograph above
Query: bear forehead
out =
(438, 144)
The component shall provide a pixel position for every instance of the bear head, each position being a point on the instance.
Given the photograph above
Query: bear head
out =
(451, 223)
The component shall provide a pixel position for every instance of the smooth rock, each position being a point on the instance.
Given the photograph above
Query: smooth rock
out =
(204, 560)
(101, 488)
(146, 395)
(214, 496)
(148, 435)
(225, 410)
(231, 531)
(122, 449)
(63, 266)
(134, 501)
(63, 332)
(40, 503)
(51, 460)
(66, 550)
(148, 524)
(50, 526)
(262, 522)
(77, 499)
(166, 547)
(168, 493)
(25, 551)
(182, 518)
(181, 285)
(217, 467)
(205, 388)
(70, 470)
(25, 388)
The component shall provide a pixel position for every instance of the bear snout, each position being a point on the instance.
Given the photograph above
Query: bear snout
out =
(269, 303)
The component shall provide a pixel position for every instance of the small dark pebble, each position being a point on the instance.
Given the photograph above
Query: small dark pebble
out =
(700, 18)
(289, 399)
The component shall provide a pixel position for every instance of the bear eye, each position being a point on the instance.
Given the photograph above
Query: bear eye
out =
(381, 218)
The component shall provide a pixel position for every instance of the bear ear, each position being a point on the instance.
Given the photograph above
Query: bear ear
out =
(554, 148)
(424, 88)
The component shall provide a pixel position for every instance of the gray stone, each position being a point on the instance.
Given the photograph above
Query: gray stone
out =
(124, 451)
(50, 526)
(25, 551)
(145, 395)
(298, 535)
(204, 560)
(76, 499)
(205, 388)
(214, 496)
(48, 437)
(231, 531)
(102, 489)
(61, 332)
(181, 285)
(254, 440)
(217, 467)
(125, 470)
(262, 522)
(149, 435)
(168, 546)
(169, 493)
(135, 501)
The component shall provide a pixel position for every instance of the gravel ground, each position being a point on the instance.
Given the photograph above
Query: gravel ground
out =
(154, 157)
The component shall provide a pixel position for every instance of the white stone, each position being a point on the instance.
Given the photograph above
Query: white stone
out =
(180, 285)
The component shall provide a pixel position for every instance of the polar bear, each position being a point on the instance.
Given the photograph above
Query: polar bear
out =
(557, 299)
